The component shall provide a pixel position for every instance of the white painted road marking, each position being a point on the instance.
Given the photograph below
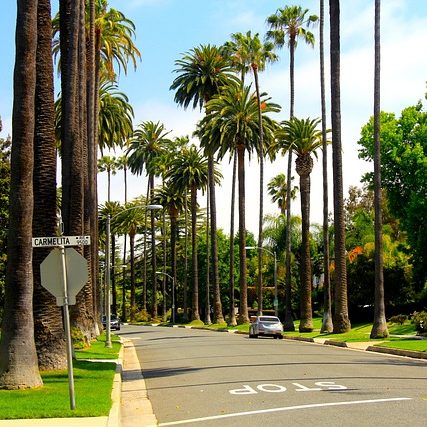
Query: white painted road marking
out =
(286, 408)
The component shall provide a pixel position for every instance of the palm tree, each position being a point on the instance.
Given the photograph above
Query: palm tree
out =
(379, 327)
(145, 149)
(108, 164)
(232, 123)
(189, 169)
(302, 137)
(327, 325)
(18, 357)
(287, 25)
(340, 318)
(115, 117)
(202, 71)
(278, 188)
(112, 209)
(256, 55)
(48, 328)
(174, 202)
(130, 221)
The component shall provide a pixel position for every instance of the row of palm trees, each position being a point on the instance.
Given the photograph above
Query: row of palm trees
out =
(93, 42)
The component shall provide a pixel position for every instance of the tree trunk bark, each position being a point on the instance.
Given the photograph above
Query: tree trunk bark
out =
(18, 357)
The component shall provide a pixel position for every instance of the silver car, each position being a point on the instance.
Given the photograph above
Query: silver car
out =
(266, 326)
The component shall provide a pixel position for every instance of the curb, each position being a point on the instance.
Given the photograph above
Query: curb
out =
(135, 407)
(114, 417)
(398, 352)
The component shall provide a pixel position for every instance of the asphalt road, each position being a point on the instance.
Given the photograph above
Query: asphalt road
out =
(205, 378)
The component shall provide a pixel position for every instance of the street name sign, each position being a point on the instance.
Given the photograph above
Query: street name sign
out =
(39, 242)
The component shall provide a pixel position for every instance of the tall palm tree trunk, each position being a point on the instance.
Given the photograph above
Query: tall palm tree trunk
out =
(208, 251)
(153, 252)
(306, 321)
(232, 321)
(195, 315)
(379, 327)
(48, 328)
(327, 325)
(243, 312)
(341, 320)
(132, 277)
(261, 193)
(18, 357)
(217, 308)
(288, 324)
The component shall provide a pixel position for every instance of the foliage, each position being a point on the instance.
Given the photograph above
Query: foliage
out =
(399, 318)
(399, 289)
(420, 321)
(404, 175)
(77, 338)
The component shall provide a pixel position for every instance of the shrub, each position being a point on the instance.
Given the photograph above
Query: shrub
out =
(419, 319)
(142, 316)
(399, 318)
(77, 338)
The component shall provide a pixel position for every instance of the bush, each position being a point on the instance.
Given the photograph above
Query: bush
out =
(77, 338)
(420, 321)
(142, 316)
(400, 318)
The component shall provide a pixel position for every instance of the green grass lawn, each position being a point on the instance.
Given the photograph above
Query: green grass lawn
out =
(92, 384)
(359, 333)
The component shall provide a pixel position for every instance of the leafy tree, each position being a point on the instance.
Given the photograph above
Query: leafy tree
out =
(404, 175)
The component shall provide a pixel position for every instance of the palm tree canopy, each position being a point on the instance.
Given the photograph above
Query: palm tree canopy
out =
(248, 52)
(114, 36)
(148, 143)
(201, 72)
(300, 135)
(277, 189)
(115, 117)
(108, 164)
(232, 119)
(189, 168)
(287, 26)
(114, 121)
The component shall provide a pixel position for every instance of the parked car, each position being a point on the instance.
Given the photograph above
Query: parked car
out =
(265, 326)
(114, 322)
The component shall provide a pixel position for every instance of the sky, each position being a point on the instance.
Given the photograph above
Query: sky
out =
(166, 29)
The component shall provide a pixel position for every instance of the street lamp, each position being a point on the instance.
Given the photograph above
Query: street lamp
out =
(173, 292)
(276, 301)
(108, 267)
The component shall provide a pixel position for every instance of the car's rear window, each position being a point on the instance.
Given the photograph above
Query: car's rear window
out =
(269, 319)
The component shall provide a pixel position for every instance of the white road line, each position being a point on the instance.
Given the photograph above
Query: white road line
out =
(286, 408)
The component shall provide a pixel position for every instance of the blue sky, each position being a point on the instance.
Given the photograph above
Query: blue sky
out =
(165, 29)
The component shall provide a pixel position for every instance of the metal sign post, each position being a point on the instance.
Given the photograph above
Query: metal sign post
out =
(68, 332)
(63, 273)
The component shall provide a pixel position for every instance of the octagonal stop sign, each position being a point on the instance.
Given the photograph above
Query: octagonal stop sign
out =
(52, 274)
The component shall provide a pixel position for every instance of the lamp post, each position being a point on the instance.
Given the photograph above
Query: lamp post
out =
(108, 268)
(276, 301)
(173, 292)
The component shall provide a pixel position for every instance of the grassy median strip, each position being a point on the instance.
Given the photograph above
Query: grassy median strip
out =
(93, 382)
